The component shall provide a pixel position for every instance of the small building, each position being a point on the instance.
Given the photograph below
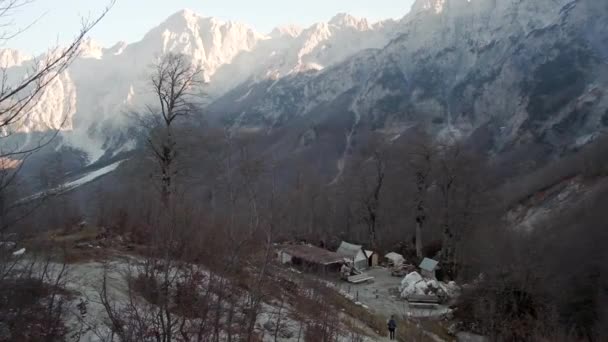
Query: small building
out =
(428, 268)
(357, 256)
(372, 258)
(310, 257)
(395, 259)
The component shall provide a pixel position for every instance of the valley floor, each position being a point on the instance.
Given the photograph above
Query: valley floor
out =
(362, 310)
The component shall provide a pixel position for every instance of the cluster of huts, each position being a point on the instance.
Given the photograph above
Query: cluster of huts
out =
(356, 257)
(419, 285)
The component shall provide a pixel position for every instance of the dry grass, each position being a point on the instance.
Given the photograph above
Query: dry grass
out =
(374, 322)
(32, 310)
(424, 327)
(71, 246)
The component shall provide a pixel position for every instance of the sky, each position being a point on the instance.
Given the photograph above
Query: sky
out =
(57, 21)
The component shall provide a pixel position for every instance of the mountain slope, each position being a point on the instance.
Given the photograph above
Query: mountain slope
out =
(508, 73)
(89, 101)
(518, 72)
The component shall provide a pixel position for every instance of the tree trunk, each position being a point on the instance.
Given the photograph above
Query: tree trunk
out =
(421, 187)
(278, 322)
(419, 239)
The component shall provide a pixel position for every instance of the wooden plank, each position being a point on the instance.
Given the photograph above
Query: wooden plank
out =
(360, 278)
(423, 299)
(423, 305)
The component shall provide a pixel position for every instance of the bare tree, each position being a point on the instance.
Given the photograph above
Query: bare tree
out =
(175, 82)
(447, 179)
(165, 276)
(421, 164)
(17, 99)
(32, 288)
(371, 200)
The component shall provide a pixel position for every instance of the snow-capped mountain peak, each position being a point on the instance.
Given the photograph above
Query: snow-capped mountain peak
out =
(10, 58)
(437, 6)
(188, 14)
(347, 20)
(182, 19)
(447, 62)
(105, 82)
(118, 48)
(286, 31)
(91, 49)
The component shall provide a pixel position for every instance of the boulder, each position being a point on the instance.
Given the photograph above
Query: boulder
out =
(452, 289)
(415, 284)
(411, 278)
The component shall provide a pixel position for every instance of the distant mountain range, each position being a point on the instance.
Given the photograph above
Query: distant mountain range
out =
(505, 73)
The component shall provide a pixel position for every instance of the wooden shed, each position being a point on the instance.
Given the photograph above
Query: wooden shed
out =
(310, 257)
(355, 254)
(395, 259)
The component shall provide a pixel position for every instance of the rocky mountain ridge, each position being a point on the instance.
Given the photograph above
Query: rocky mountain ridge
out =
(89, 101)
(505, 73)
(518, 72)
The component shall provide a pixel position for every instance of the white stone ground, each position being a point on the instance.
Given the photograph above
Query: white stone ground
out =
(86, 280)
(382, 296)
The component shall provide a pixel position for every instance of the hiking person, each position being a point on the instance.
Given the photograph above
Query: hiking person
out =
(392, 326)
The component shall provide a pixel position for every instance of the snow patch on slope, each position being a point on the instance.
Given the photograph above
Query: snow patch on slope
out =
(91, 176)
(71, 185)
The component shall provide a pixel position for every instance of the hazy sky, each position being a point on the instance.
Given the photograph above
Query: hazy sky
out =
(129, 20)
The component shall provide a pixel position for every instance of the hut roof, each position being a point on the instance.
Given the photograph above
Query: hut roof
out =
(428, 264)
(395, 257)
(313, 254)
(349, 250)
